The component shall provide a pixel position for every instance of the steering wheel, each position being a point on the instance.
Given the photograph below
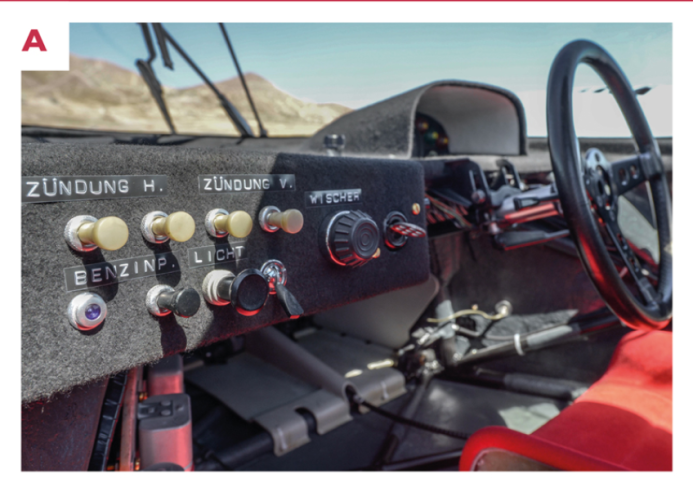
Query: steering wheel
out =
(589, 189)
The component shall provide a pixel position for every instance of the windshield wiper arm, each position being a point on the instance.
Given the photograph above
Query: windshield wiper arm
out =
(149, 77)
(235, 116)
(263, 132)
(161, 41)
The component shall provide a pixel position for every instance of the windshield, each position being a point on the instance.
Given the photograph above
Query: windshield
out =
(303, 76)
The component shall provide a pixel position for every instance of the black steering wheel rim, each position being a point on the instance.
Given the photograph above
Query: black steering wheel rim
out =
(574, 179)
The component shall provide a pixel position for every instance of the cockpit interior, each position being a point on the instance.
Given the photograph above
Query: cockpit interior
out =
(417, 285)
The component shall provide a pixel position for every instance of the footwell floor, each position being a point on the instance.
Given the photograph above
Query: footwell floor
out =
(358, 444)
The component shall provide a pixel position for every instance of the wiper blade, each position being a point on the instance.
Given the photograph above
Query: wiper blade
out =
(235, 116)
(145, 68)
(263, 132)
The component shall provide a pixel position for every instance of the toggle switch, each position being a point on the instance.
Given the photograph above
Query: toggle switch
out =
(247, 292)
(275, 273)
(220, 223)
(272, 219)
(86, 311)
(398, 230)
(86, 233)
(163, 300)
(158, 227)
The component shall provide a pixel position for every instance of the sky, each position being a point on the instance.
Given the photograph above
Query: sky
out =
(359, 64)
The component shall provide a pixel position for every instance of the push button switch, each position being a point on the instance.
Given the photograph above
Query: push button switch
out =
(247, 292)
(86, 311)
(86, 233)
(158, 227)
(220, 223)
(163, 300)
(272, 219)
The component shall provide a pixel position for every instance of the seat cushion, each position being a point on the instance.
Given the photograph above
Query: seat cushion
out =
(624, 421)
(529, 453)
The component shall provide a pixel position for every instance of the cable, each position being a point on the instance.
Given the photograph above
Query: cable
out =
(506, 338)
(469, 312)
(208, 454)
(449, 211)
(405, 421)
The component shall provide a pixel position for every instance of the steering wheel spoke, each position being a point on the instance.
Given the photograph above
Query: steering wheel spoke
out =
(631, 172)
(631, 262)
(606, 181)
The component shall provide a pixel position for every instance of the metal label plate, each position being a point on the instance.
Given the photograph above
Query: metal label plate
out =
(324, 198)
(244, 183)
(216, 254)
(42, 189)
(113, 272)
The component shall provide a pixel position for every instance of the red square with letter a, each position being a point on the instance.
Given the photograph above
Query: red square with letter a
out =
(40, 45)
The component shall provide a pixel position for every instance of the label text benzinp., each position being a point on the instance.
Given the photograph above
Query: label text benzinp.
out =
(107, 273)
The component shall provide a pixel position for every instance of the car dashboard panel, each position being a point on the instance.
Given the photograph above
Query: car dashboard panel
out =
(62, 184)
(462, 119)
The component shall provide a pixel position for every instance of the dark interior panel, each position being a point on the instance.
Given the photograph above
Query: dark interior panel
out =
(56, 356)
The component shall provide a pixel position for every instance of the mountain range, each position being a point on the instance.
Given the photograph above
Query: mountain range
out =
(99, 95)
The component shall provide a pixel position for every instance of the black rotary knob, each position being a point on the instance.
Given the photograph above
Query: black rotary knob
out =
(350, 238)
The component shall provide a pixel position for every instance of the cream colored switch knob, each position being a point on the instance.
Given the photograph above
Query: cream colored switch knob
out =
(179, 226)
(109, 233)
(238, 223)
(157, 227)
(86, 233)
(220, 223)
(272, 219)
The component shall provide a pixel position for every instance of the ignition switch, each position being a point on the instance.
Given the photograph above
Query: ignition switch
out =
(275, 273)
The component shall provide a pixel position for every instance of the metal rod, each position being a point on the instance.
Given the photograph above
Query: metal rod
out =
(263, 132)
(233, 113)
(149, 77)
(398, 431)
(424, 460)
(543, 338)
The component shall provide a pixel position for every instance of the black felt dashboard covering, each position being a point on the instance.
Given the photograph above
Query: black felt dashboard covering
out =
(386, 128)
(55, 356)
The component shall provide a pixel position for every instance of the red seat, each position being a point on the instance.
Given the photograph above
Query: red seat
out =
(623, 422)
